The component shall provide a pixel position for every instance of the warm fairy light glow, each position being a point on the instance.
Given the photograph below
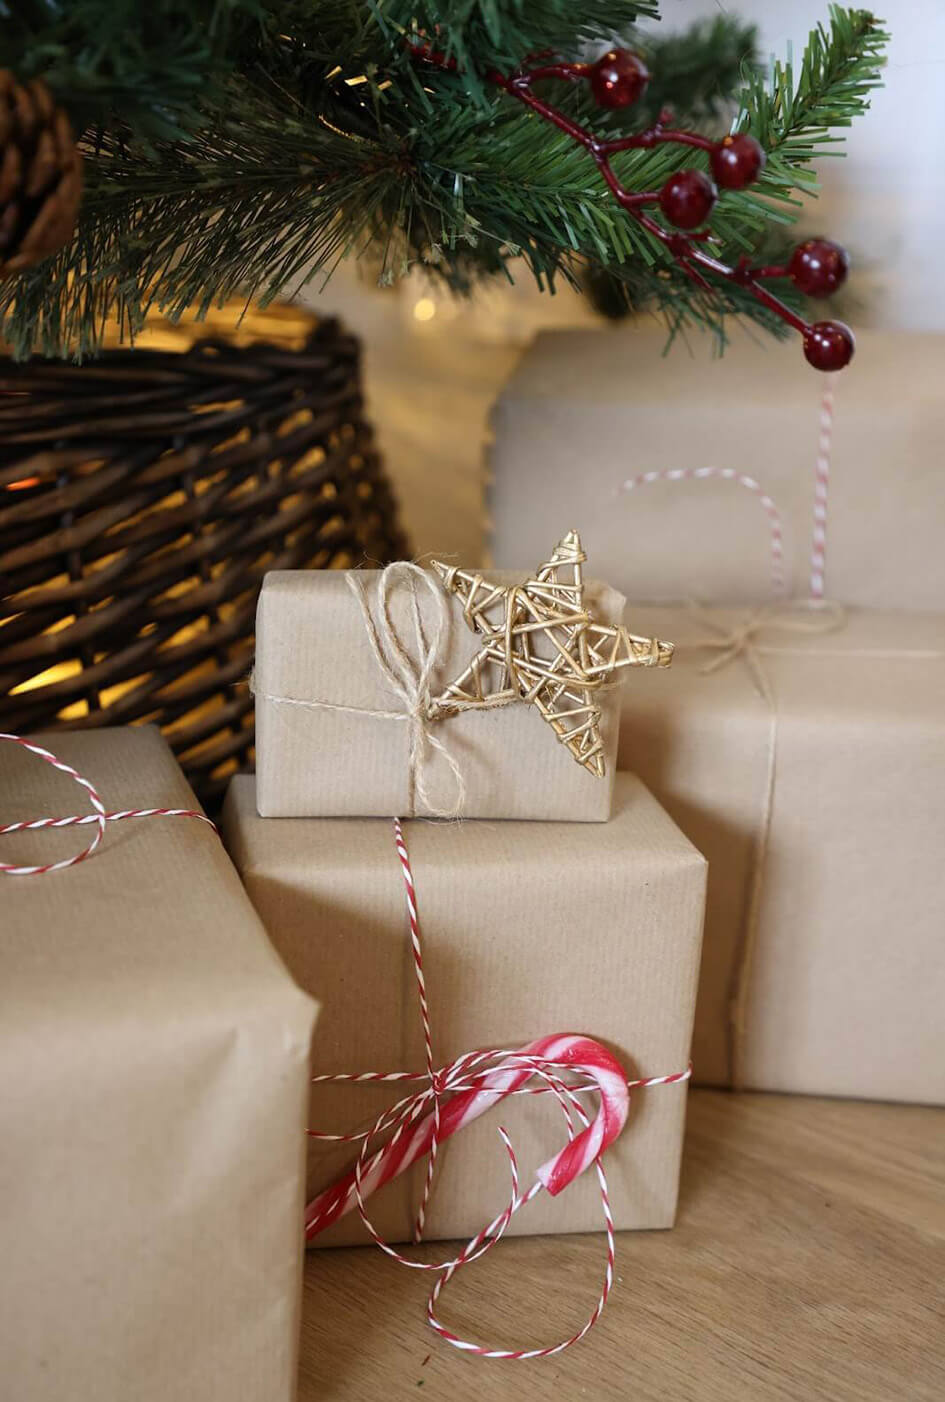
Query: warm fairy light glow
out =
(424, 310)
(60, 672)
(22, 485)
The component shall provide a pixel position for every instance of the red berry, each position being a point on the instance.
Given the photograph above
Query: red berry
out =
(829, 345)
(737, 161)
(618, 79)
(687, 198)
(818, 267)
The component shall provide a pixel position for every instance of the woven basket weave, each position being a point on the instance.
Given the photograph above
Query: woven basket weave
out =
(142, 498)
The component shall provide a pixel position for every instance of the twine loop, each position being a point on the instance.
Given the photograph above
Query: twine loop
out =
(410, 674)
(408, 666)
(98, 818)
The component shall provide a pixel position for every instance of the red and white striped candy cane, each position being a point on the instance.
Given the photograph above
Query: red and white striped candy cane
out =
(98, 818)
(472, 1095)
(567, 1065)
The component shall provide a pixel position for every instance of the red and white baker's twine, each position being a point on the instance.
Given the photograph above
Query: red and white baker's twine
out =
(818, 554)
(726, 474)
(99, 818)
(567, 1065)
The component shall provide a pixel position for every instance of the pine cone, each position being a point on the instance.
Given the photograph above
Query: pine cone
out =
(40, 175)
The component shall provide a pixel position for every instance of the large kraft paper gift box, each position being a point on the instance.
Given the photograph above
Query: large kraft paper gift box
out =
(529, 929)
(345, 750)
(587, 410)
(810, 770)
(153, 1078)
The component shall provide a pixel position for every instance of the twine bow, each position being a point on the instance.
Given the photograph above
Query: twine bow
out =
(409, 675)
(741, 639)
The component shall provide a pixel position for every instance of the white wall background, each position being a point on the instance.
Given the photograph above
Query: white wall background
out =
(885, 200)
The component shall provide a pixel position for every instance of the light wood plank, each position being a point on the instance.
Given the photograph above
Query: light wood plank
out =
(808, 1263)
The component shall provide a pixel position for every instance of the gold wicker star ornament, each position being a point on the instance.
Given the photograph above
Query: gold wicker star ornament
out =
(542, 645)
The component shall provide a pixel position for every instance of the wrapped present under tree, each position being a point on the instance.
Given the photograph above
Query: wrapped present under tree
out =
(153, 1077)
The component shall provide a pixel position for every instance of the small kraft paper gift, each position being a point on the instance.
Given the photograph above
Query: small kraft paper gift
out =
(563, 932)
(153, 1077)
(441, 692)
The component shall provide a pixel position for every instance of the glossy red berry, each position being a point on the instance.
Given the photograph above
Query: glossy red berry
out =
(687, 198)
(819, 267)
(737, 161)
(829, 345)
(618, 78)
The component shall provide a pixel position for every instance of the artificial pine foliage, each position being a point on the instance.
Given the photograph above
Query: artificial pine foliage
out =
(247, 145)
(40, 175)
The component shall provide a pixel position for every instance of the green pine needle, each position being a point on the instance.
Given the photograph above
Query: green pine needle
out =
(245, 146)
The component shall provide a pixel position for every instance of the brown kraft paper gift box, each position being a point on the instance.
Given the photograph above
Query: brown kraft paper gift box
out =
(153, 1073)
(588, 409)
(528, 929)
(832, 981)
(330, 761)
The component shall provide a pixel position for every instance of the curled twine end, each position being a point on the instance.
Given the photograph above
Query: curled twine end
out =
(566, 1066)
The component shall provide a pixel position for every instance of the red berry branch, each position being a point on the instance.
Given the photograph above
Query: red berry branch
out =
(618, 79)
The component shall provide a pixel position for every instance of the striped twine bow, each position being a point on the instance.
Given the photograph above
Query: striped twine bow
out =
(98, 819)
(567, 1065)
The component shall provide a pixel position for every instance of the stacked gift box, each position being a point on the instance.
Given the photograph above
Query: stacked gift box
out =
(159, 1059)
(160, 1063)
(562, 902)
(799, 745)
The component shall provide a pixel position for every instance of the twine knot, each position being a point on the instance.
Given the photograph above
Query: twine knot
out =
(739, 640)
(409, 672)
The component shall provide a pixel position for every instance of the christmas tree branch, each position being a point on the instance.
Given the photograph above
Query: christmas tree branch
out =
(314, 133)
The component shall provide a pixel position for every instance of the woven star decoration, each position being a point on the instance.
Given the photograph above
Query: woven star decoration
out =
(540, 644)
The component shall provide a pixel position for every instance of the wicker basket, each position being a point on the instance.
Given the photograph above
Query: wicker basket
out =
(142, 499)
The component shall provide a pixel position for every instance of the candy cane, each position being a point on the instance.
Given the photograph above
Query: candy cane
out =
(99, 817)
(566, 1051)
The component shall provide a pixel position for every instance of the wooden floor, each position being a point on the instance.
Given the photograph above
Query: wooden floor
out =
(808, 1263)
